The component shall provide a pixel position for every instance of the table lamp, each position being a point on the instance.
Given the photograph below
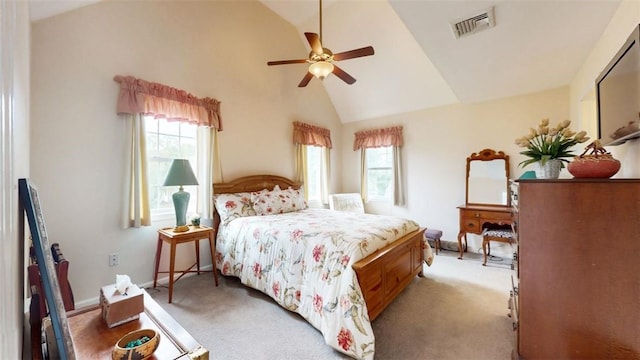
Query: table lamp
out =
(180, 174)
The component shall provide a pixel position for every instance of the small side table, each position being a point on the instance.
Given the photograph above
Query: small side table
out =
(194, 234)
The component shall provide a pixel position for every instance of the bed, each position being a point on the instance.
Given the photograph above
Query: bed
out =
(338, 278)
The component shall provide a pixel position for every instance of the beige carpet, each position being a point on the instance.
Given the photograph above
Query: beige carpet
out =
(457, 311)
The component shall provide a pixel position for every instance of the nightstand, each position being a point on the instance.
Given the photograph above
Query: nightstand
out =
(195, 234)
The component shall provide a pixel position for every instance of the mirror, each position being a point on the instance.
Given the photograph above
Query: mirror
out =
(488, 178)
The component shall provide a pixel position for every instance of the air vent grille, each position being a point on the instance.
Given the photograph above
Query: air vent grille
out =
(472, 25)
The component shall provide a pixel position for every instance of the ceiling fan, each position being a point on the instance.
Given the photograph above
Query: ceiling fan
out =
(322, 60)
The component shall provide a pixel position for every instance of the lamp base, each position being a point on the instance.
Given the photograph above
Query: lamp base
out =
(180, 203)
(181, 228)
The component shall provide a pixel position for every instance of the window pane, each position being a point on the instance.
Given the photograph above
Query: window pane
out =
(188, 148)
(169, 127)
(380, 173)
(188, 130)
(169, 146)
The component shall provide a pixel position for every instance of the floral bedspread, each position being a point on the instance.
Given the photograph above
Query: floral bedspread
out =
(303, 261)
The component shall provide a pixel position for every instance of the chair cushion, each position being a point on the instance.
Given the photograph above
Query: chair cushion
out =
(502, 233)
(433, 234)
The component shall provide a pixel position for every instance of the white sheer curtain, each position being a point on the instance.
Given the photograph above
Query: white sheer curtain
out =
(398, 189)
(137, 212)
(209, 169)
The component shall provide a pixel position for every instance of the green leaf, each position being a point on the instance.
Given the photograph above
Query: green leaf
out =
(358, 323)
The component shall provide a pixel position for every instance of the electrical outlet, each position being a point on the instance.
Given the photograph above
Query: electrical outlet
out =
(113, 259)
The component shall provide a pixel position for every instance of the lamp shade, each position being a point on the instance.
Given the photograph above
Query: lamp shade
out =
(180, 174)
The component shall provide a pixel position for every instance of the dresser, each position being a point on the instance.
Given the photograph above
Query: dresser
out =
(576, 284)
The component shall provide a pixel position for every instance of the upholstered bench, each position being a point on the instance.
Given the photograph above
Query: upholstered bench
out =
(500, 235)
(435, 235)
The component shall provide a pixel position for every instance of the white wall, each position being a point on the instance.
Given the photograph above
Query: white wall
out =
(437, 143)
(622, 24)
(215, 49)
(14, 152)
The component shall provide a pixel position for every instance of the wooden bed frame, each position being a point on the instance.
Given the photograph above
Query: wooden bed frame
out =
(382, 275)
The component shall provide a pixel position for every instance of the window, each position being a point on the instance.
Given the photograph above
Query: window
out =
(168, 140)
(379, 173)
(316, 170)
(313, 144)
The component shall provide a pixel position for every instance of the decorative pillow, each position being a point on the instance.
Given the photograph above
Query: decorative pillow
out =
(267, 202)
(278, 201)
(295, 198)
(231, 206)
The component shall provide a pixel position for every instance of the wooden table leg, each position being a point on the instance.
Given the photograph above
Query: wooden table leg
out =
(460, 248)
(155, 271)
(212, 248)
(198, 255)
(172, 266)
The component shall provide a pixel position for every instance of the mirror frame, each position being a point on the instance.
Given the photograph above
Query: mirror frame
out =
(488, 155)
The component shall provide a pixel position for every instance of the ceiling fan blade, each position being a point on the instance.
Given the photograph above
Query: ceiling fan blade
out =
(365, 51)
(314, 41)
(305, 80)
(283, 62)
(343, 75)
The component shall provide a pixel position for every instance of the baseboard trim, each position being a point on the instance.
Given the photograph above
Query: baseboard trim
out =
(146, 285)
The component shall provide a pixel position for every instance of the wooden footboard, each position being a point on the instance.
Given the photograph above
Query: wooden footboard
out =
(385, 273)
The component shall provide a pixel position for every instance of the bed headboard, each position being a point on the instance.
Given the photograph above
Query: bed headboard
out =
(249, 184)
(254, 183)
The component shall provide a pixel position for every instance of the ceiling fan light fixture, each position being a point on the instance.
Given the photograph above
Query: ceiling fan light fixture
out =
(321, 69)
(321, 59)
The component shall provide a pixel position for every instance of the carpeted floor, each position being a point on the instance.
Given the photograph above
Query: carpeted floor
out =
(457, 311)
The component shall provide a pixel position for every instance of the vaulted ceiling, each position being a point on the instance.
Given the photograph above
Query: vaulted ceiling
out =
(418, 63)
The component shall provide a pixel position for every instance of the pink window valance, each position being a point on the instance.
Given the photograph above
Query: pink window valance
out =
(378, 137)
(306, 134)
(162, 101)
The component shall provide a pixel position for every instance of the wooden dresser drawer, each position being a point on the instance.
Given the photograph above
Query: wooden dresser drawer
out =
(470, 225)
(486, 215)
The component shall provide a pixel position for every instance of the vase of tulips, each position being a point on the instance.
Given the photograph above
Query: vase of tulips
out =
(549, 148)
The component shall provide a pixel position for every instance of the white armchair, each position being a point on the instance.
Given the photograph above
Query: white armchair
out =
(351, 202)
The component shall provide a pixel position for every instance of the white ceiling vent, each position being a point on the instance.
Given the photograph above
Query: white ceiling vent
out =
(472, 25)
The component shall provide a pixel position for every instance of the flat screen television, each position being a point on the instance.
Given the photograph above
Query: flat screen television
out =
(618, 94)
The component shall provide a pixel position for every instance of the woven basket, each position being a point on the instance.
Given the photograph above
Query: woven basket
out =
(121, 352)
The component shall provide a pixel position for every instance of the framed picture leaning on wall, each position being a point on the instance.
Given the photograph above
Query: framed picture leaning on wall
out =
(30, 205)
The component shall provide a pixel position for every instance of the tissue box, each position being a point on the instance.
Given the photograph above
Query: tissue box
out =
(120, 308)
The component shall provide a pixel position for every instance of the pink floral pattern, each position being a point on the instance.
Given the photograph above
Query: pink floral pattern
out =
(231, 206)
(304, 259)
(277, 201)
